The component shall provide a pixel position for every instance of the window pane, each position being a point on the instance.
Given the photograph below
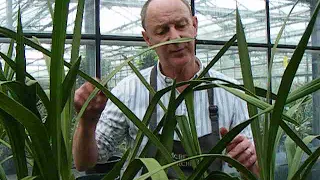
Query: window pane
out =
(113, 54)
(297, 23)
(229, 64)
(217, 19)
(37, 66)
(121, 17)
(37, 17)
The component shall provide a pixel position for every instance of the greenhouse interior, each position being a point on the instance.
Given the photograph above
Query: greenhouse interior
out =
(111, 33)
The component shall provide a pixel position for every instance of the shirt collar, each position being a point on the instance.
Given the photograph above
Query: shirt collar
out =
(168, 81)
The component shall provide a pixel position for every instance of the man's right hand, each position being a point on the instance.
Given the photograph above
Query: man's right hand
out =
(96, 105)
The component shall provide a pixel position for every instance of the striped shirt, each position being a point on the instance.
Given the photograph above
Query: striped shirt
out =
(113, 126)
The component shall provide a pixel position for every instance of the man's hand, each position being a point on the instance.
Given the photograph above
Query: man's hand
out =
(96, 105)
(85, 151)
(242, 150)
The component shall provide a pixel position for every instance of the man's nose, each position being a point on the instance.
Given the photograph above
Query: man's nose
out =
(173, 34)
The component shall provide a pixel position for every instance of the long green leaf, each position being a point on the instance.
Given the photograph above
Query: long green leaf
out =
(186, 141)
(170, 123)
(14, 129)
(248, 84)
(40, 92)
(37, 133)
(7, 71)
(219, 175)
(56, 75)
(149, 163)
(189, 100)
(274, 48)
(205, 163)
(218, 56)
(285, 85)
(2, 173)
(69, 82)
(15, 134)
(314, 156)
(225, 158)
(268, 107)
(293, 167)
(2, 76)
(114, 173)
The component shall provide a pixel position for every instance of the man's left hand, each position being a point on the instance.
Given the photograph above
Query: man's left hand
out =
(242, 150)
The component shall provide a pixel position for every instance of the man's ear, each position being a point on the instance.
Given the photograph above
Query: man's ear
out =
(146, 37)
(195, 25)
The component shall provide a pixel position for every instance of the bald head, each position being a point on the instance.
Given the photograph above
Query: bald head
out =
(144, 10)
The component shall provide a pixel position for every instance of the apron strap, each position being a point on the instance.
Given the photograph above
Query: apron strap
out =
(213, 115)
(153, 83)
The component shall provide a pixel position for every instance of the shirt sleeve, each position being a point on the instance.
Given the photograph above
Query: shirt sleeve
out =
(111, 128)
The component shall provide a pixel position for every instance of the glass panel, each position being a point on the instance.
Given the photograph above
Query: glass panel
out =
(113, 54)
(229, 64)
(217, 19)
(121, 17)
(298, 21)
(37, 67)
(36, 16)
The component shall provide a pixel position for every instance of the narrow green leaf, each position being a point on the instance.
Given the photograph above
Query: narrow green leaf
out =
(114, 173)
(205, 163)
(15, 133)
(268, 107)
(2, 173)
(145, 83)
(3, 142)
(248, 84)
(189, 100)
(50, 8)
(69, 82)
(56, 76)
(218, 56)
(29, 178)
(225, 158)
(43, 155)
(186, 141)
(76, 41)
(298, 156)
(286, 82)
(152, 164)
(40, 92)
(7, 71)
(306, 172)
(274, 49)
(219, 175)
(304, 90)
(47, 59)
(290, 151)
(314, 156)
(20, 57)
(170, 123)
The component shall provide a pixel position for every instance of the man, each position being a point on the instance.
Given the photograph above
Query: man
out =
(162, 20)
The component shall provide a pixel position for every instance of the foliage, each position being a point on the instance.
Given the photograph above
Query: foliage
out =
(48, 141)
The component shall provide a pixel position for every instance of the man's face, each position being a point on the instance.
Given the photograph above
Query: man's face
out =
(168, 20)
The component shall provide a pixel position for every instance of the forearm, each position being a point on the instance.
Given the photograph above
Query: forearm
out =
(85, 151)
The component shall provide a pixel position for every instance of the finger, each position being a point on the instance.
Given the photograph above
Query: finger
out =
(223, 131)
(245, 155)
(238, 139)
(239, 148)
(251, 161)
